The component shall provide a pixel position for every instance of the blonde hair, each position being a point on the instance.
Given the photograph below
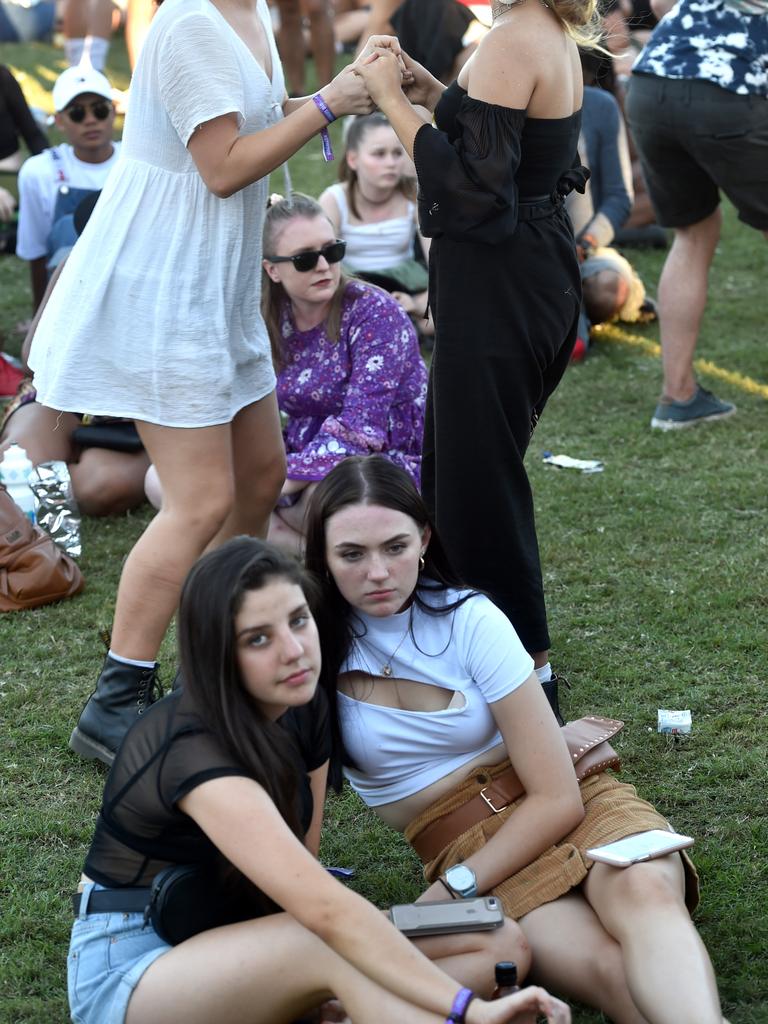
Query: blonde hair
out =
(273, 295)
(582, 20)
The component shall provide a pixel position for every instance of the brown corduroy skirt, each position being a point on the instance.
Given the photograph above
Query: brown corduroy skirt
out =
(612, 810)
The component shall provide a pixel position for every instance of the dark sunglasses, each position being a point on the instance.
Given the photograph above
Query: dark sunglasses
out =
(306, 261)
(100, 111)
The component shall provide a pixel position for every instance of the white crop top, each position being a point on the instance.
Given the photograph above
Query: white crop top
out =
(375, 247)
(473, 650)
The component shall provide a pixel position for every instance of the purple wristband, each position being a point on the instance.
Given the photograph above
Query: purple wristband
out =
(459, 1009)
(330, 117)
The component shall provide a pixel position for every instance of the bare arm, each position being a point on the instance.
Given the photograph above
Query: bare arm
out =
(331, 210)
(662, 7)
(318, 783)
(382, 76)
(228, 161)
(38, 276)
(27, 343)
(247, 828)
(552, 806)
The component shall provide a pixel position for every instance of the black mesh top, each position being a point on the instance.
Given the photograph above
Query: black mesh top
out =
(165, 755)
(482, 160)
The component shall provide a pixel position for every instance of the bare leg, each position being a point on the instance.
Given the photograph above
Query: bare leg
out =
(290, 41)
(321, 38)
(642, 907)
(45, 434)
(195, 469)
(258, 458)
(108, 483)
(268, 971)
(575, 957)
(138, 20)
(470, 959)
(682, 300)
(378, 20)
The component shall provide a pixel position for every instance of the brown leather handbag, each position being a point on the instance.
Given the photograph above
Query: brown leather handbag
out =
(33, 570)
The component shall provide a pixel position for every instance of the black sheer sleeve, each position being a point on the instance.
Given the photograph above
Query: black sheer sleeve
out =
(467, 188)
(16, 119)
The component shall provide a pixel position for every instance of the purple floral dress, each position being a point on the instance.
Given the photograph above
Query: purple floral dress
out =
(364, 393)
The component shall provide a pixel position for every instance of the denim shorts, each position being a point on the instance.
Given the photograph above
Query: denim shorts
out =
(108, 954)
(696, 140)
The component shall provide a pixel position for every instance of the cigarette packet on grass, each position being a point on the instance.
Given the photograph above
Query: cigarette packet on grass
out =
(676, 722)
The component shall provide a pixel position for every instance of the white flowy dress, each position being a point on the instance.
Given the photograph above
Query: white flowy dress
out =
(156, 315)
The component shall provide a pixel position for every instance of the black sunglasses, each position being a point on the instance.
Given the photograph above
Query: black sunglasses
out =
(100, 111)
(306, 261)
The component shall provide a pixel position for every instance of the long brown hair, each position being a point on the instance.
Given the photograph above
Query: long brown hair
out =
(358, 129)
(273, 296)
(366, 480)
(211, 597)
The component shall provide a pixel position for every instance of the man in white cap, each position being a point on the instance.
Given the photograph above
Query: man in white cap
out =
(52, 183)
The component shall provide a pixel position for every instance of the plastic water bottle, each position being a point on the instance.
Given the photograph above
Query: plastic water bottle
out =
(14, 473)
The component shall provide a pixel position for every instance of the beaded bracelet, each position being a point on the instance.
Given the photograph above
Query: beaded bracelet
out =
(330, 117)
(459, 1009)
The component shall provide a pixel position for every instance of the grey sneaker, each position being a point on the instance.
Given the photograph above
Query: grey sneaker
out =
(672, 415)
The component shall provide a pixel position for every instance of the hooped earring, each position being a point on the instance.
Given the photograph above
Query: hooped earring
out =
(422, 563)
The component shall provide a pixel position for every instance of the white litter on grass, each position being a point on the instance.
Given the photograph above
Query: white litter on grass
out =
(675, 722)
(566, 462)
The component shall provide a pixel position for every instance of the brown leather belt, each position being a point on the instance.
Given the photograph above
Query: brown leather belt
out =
(587, 740)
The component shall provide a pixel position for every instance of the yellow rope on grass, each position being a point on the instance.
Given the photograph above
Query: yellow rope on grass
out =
(610, 332)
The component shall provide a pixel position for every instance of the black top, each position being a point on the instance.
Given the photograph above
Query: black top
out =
(482, 161)
(16, 119)
(165, 755)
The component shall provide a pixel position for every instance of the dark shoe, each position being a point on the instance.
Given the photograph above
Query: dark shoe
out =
(550, 689)
(648, 312)
(123, 692)
(702, 408)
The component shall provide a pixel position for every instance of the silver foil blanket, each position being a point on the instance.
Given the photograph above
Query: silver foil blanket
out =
(57, 511)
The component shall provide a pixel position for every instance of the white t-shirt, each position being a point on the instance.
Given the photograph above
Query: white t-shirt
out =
(40, 179)
(473, 651)
(156, 315)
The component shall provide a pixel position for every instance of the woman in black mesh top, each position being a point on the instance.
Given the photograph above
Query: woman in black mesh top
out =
(227, 775)
(504, 280)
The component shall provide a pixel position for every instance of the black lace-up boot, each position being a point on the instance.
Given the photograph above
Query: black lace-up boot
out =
(550, 689)
(123, 692)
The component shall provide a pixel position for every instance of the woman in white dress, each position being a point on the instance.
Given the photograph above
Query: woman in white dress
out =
(156, 317)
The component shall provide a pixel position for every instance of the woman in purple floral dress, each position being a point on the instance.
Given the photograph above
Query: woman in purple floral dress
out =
(351, 380)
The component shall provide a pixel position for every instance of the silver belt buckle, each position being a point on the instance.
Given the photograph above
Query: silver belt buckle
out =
(496, 810)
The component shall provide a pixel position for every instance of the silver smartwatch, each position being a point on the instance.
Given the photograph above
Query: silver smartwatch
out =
(461, 880)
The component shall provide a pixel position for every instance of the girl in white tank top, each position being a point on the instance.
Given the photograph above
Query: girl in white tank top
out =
(373, 209)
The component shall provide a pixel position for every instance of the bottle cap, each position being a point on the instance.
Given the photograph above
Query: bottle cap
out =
(506, 973)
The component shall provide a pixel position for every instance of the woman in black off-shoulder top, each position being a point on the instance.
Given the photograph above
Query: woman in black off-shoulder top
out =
(504, 283)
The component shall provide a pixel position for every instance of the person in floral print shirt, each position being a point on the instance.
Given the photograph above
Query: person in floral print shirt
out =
(351, 380)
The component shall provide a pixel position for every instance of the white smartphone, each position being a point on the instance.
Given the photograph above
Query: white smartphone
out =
(446, 916)
(657, 842)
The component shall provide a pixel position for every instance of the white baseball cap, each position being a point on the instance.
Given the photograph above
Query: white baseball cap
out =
(75, 81)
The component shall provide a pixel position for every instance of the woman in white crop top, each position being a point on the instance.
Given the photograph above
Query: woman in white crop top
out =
(373, 208)
(435, 698)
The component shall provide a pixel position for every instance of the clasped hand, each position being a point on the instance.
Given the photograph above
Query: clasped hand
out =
(348, 93)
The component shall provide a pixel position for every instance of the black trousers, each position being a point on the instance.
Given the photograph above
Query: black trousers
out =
(506, 320)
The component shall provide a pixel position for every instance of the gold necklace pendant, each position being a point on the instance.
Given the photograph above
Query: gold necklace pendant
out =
(385, 670)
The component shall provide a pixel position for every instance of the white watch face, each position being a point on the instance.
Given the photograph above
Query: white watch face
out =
(461, 879)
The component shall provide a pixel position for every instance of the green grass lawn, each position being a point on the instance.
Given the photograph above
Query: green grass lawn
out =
(657, 587)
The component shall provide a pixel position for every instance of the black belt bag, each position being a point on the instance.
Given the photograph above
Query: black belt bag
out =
(183, 900)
